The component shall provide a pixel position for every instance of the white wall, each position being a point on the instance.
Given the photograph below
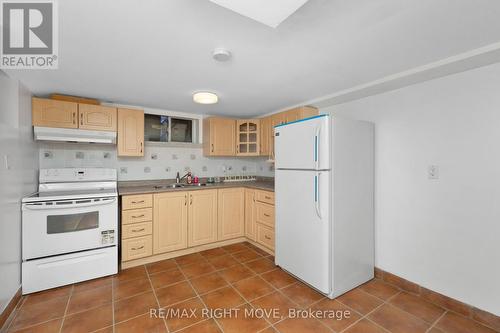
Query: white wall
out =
(172, 159)
(443, 234)
(16, 181)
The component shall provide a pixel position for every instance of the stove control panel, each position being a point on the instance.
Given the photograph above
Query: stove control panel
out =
(107, 237)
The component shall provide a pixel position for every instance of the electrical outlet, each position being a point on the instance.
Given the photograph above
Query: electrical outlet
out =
(433, 172)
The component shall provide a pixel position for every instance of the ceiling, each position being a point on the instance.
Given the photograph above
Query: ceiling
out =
(156, 53)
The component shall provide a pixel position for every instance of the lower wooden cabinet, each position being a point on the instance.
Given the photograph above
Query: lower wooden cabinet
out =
(170, 218)
(136, 248)
(202, 217)
(250, 214)
(231, 213)
(152, 224)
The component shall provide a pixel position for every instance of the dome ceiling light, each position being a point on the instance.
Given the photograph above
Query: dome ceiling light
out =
(205, 97)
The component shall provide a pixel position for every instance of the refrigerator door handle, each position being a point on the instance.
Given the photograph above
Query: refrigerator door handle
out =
(316, 146)
(316, 194)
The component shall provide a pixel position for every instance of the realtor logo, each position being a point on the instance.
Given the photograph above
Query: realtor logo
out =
(29, 34)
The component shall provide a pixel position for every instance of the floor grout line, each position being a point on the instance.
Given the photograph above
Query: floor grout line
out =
(67, 307)
(437, 320)
(199, 298)
(156, 297)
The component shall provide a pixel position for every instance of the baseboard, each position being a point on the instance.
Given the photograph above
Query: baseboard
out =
(10, 308)
(483, 317)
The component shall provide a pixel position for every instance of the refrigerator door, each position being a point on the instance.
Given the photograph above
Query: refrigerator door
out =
(303, 144)
(302, 226)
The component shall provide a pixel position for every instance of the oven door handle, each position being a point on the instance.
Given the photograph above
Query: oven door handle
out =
(75, 204)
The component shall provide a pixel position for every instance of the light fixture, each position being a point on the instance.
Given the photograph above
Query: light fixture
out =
(221, 54)
(205, 97)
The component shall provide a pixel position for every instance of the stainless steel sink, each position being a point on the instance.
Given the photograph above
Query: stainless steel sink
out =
(159, 187)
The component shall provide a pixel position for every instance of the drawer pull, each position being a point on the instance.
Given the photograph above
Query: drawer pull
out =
(137, 248)
(138, 202)
(267, 197)
(137, 216)
(267, 215)
(138, 230)
(267, 237)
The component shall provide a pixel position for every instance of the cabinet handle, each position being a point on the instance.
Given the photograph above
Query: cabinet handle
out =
(137, 216)
(74, 117)
(267, 215)
(138, 230)
(137, 248)
(81, 119)
(141, 147)
(267, 197)
(185, 200)
(138, 202)
(212, 147)
(190, 199)
(267, 237)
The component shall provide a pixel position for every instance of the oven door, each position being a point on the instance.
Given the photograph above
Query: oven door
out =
(65, 226)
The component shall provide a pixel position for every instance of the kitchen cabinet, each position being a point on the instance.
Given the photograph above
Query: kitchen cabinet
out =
(130, 132)
(250, 214)
(136, 230)
(264, 218)
(231, 213)
(202, 217)
(170, 218)
(97, 117)
(247, 137)
(219, 136)
(265, 136)
(54, 113)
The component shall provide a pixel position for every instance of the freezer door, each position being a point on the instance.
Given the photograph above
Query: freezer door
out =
(302, 226)
(303, 144)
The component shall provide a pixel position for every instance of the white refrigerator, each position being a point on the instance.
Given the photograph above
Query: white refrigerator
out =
(324, 202)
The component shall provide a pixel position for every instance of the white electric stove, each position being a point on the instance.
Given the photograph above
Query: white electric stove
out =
(70, 228)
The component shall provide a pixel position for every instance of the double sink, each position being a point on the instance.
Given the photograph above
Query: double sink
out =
(177, 185)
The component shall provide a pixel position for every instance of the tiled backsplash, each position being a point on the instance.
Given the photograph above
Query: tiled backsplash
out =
(158, 162)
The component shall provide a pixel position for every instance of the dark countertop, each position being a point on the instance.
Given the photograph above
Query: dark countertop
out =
(148, 186)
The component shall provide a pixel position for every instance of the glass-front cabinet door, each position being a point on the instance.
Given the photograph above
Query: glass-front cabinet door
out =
(248, 141)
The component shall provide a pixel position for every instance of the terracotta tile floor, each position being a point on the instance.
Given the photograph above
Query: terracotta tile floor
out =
(231, 280)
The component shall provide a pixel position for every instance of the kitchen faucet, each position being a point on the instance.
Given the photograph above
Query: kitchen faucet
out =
(178, 179)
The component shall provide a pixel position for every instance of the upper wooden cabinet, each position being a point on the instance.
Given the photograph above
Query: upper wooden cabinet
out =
(202, 217)
(265, 135)
(97, 117)
(248, 137)
(64, 114)
(219, 136)
(231, 213)
(53, 113)
(130, 132)
(170, 218)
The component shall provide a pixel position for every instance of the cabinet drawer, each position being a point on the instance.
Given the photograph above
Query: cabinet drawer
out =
(137, 230)
(264, 196)
(137, 201)
(265, 214)
(137, 215)
(265, 236)
(135, 248)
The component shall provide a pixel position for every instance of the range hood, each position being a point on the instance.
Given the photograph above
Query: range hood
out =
(73, 135)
